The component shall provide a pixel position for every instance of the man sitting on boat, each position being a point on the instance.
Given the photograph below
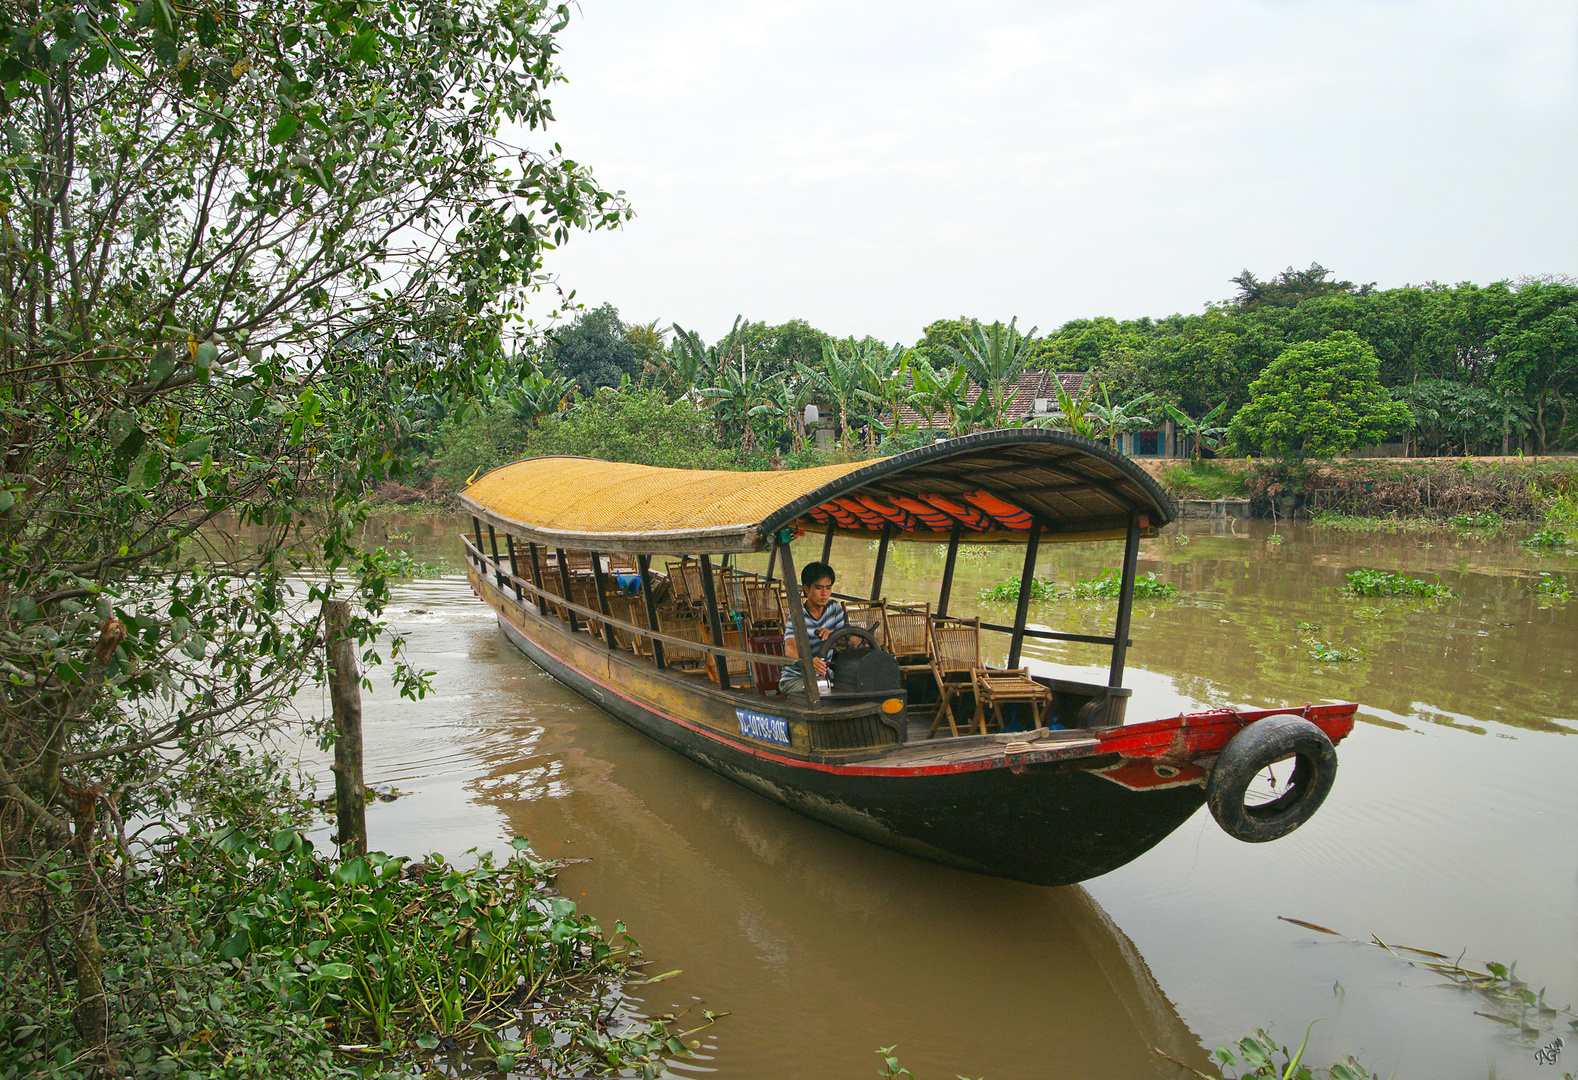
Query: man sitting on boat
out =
(823, 615)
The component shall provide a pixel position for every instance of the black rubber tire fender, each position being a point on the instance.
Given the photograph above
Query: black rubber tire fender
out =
(1247, 754)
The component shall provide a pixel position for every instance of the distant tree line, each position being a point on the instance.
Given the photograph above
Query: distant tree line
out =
(1297, 364)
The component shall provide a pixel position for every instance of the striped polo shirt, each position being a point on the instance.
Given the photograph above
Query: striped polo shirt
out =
(833, 618)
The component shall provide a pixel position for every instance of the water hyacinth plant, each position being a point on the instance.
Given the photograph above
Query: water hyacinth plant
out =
(1386, 583)
(1108, 585)
(1008, 590)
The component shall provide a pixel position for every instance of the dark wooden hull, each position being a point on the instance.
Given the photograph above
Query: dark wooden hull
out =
(1054, 811)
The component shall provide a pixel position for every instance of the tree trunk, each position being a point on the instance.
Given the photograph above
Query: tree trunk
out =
(345, 694)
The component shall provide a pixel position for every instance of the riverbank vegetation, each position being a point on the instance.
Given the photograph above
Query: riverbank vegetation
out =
(255, 255)
(1297, 369)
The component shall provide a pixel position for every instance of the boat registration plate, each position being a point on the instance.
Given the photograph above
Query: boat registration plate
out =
(755, 725)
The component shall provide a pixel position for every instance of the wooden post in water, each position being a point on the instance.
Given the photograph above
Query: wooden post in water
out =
(345, 695)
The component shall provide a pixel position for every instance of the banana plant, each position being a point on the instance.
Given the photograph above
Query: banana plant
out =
(995, 357)
(933, 391)
(1076, 412)
(1118, 420)
(839, 378)
(1206, 429)
(738, 400)
(538, 393)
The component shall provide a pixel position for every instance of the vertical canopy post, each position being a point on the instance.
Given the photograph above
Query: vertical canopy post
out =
(476, 528)
(600, 583)
(536, 576)
(644, 566)
(947, 568)
(802, 636)
(1120, 636)
(1026, 578)
(710, 591)
(515, 568)
(772, 557)
(569, 594)
(827, 544)
(498, 571)
(882, 560)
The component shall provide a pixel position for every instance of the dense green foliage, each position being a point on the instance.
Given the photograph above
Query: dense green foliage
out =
(638, 425)
(1318, 399)
(252, 255)
(595, 350)
(253, 956)
(1446, 369)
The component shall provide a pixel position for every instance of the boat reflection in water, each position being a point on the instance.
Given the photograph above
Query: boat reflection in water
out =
(820, 947)
(1045, 782)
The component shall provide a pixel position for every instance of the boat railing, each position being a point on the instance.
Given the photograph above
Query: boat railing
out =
(1047, 635)
(507, 579)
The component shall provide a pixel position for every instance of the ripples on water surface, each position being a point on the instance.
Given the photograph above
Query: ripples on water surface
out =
(1451, 827)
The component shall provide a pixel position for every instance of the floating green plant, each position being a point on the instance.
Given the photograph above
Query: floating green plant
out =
(1386, 583)
(1008, 590)
(1108, 585)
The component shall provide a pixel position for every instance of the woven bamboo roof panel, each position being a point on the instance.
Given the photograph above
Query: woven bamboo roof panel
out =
(994, 486)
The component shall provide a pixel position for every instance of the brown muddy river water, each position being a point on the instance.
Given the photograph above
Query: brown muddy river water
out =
(1453, 826)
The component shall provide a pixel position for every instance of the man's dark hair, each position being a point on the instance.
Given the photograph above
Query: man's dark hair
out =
(815, 572)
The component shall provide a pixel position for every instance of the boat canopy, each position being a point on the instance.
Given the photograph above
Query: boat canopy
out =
(995, 486)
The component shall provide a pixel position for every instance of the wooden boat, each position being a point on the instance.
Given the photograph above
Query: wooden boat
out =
(1046, 782)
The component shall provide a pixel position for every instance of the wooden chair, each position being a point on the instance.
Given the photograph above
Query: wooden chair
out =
(994, 689)
(739, 670)
(685, 626)
(764, 605)
(909, 636)
(678, 587)
(622, 563)
(869, 616)
(631, 610)
(956, 654)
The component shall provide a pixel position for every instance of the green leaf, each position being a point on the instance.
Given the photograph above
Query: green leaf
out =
(283, 129)
(7, 500)
(353, 872)
(334, 970)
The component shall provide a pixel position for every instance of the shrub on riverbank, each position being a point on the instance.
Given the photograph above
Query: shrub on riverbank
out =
(235, 956)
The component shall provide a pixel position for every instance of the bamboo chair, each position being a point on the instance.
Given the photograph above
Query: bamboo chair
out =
(678, 589)
(764, 604)
(621, 563)
(909, 636)
(869, 616)
(685, 626)
(956, 655)
(739, 670)
(631, 610)
(994, 689)
(583, 591)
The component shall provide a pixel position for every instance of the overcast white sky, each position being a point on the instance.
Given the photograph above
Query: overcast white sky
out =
(871, 165)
